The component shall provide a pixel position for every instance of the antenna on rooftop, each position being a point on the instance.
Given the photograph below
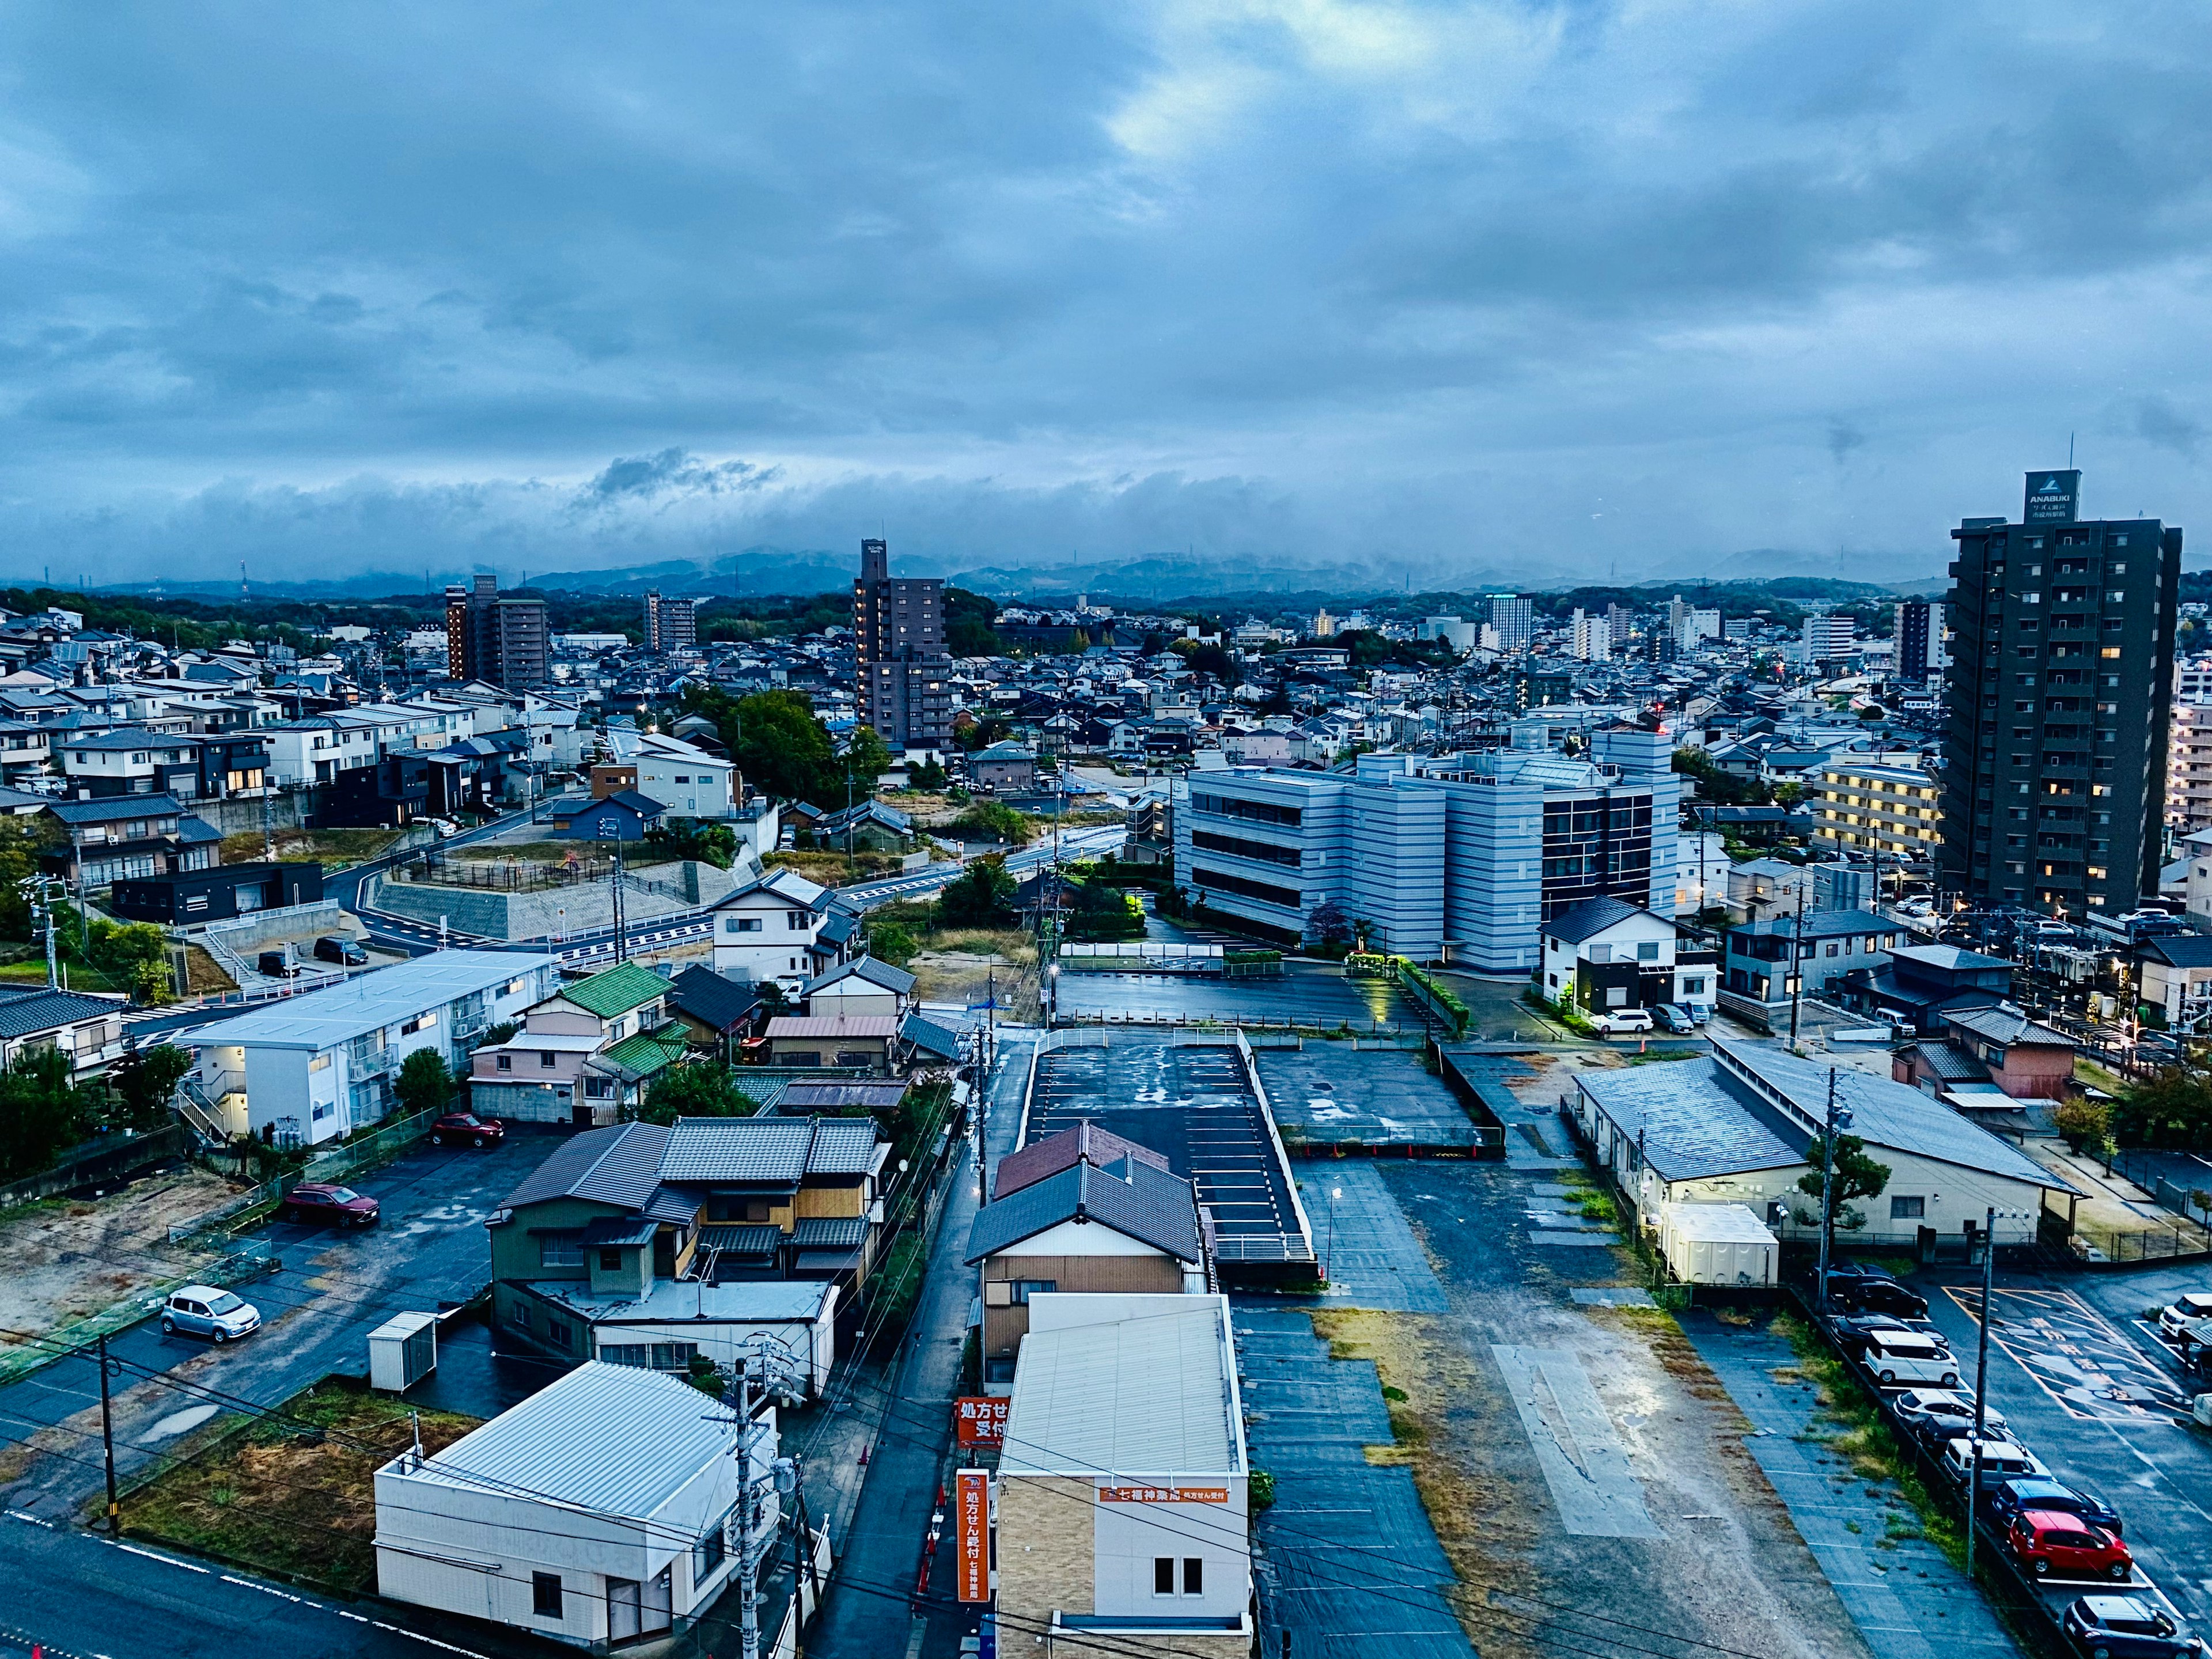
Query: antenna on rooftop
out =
(2069, 452)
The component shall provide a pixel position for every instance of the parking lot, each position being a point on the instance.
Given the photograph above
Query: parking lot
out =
(1308, 993)
(2087, 1386)
(427, 1250)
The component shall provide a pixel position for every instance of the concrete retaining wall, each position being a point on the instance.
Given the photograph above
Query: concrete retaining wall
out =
(250, 932)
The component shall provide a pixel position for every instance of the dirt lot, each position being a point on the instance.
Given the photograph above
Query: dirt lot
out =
(301, 1506)
(334, 848)
(1585, 1471)
(959, 967)
(67, 1259)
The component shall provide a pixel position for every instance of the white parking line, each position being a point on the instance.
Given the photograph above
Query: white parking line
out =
(430, 1641)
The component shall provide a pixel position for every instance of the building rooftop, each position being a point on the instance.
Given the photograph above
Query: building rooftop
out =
(616, 991)
(1136, 1199)
(1593, 917)
(366, 1002)
(833, 1025)
(614, 1439)
(1086, 1142)
(2002, 1024)
(27, 1008)
(1150, 1394)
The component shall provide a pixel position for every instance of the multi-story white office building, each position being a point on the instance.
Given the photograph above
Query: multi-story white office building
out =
(1828, 638)
(1462, 856)
(2189, 768)
(323, 1065)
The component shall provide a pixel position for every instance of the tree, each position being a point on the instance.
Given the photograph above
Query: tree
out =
(704, 1088)
(1329, 925)
(2082, 1122)
(867, 758)
(772, 999)
(929, 775)
(41, 1113)
(1855, 1176)
(21, 843)
(698, 839)
(889, 942)
(981, 896)
(2174, 1108)
(147, 1080)
(425, 1085)
(776, 741)
(968, 620)
(997, 820)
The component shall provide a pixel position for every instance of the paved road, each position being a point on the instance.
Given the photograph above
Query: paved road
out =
(884, 1547)
(333, 1290)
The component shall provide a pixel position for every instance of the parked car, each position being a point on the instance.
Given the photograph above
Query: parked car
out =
(1622, 1020)
(203, 1310)
(2008, 1498)
(344, 952)
(1676, 1017)
(1907, 1357)
(445, 827)
(2177, 1316)
(1872, 1290)
(341, 1206)
(2002, 1460)
(1853, 1332)
(2053, 1544)
(1937, 1415)
(2125, 1627)
(467, 1126)
(278, 965)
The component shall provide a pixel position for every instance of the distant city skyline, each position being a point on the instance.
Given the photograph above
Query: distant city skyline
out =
(1492, 292)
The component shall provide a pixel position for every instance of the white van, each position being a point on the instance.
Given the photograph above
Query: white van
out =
(2002, 1460)
(1902, 1359)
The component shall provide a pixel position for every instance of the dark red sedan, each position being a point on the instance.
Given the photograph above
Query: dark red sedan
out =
(2054, 1544)
(340, 1206)
(467, 1126)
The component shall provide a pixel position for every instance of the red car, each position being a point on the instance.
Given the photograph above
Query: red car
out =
(467, 1126)
(340, 1206)
(2053, 1545)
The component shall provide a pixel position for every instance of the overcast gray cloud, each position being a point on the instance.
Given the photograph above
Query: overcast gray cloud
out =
(1449, 290)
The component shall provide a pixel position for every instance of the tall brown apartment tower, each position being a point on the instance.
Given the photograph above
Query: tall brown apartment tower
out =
(670, 624)
(500, 640)
(905, 688)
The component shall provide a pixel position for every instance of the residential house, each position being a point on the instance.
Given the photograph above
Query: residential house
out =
(1735, 1127)
(317, 1066)
(1767, 958)
(603, 1511)
(625, 815)
(2174, 975)
(128, 835)
(2024, 1058)
(865, 1042)
(583, 1054)
(85, 1026)
(765, 927)
(1121, 1491)
(618, 1215)
(867, 827)
(1605, 953)
(1004, 766)
(1127, 1225)
(716, 1013)
(863, 986)
(1920, 984)
(203, 895)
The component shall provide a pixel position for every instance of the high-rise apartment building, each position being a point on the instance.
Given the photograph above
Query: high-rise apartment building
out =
(904, 672)
(1621, 621)
(1591, 638)
(670, 624)
(1514, 617)
(2059, 703)
(1920, 653)
(1686, 625)
(1828, 638)
(500, 640)
(2189, 770)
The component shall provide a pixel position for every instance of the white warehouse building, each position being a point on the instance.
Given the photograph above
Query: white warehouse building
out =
(323, 1065)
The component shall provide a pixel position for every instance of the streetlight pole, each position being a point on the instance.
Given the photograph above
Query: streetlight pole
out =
(1797, 968)
(1982, 1369)
(1837, 1118)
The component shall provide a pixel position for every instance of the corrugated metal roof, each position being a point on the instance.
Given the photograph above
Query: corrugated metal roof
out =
(614, 1439)
(610, 1232)
(369, 1001)
(1691, 1127)
(1148, 1395)
(833, 1025)
(1152, 1206)
(832, 1097)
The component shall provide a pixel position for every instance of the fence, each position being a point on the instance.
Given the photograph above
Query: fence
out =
(2174, 1243)
(112, 1161)
(355, 1156)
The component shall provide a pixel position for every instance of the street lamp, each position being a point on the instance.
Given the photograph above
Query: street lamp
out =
(1982, 1369)
(1838, 1119)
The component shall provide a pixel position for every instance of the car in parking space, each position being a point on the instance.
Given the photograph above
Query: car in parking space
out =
(1909, 1357)
(1854, 1331)
(1871, 1290)
(344, 952)
(2125, 1627)
(468, 1126)
(2177, 1316)
(341, 1207)
(278, 965)
(2051, 1544)
(206, 1310)
(1622, 1021)
(1676, 1018)
(1936, 1414)
(2002, 1460)
(445, 827)
(2005, 1498)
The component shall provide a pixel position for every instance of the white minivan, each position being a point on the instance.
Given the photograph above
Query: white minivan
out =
(2002, 1460)
(1902, 1359)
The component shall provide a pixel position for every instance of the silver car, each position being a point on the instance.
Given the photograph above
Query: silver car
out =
(203, 1310)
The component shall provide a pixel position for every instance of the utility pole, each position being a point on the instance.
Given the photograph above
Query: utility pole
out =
(1981, 1382)
(1797, 966)
(622, 931)
(1837, 1120)
(107, 1444)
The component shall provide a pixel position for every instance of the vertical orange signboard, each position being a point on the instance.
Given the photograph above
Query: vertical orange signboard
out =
(972, 1521)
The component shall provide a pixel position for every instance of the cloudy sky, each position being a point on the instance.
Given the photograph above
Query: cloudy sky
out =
(1559, 289)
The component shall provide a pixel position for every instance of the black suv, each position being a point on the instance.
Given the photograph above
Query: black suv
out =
(344, 952)
(277, 965)
(1869, 1290)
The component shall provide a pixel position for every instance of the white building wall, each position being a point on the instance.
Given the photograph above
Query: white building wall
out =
(1127, 1537)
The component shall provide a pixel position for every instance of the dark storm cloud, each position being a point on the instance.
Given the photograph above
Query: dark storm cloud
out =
(1515, 287)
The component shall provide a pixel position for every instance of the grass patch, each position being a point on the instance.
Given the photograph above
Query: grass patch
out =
(300, 1505)
(1661, 1056)
(829, 869)
(78, 975)
(1848, 1422)
(1599, 1207)
(332, 847)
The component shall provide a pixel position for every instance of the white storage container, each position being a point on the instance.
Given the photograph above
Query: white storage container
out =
(1717, 1244)
(401, 1351)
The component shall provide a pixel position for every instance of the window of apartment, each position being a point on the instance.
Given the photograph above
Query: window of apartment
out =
(1025, 1288)
(1907, 1209)
(712, 1549)
(1647, 952)
(796, 920)
(545, 1058)
(560, 1250)
(562, 1335)
(741, 924)
(545, 1595)
(1600, 953)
